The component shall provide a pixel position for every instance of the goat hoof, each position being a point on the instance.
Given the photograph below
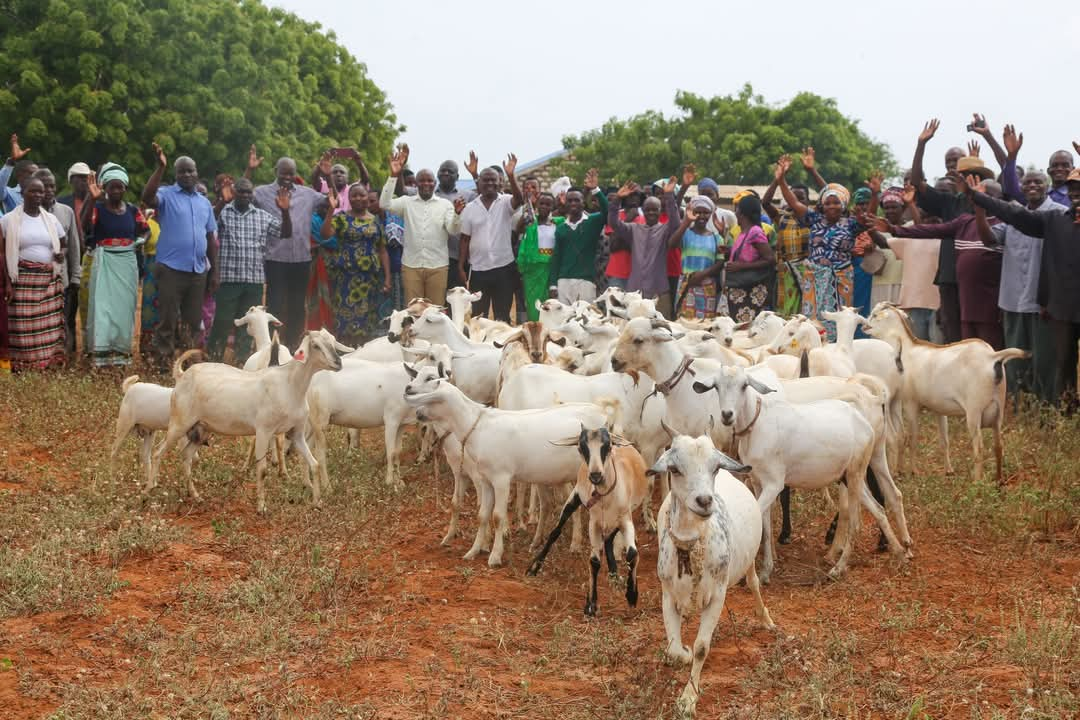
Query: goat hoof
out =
(784, 539)
(836, 573)
(882, 544)
(590, 609)
(631, 596)
(679, 656)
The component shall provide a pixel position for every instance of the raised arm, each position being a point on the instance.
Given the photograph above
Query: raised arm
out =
(910, 204)
(782, 166)
(397, 164)
(1010, 183)
(809, 163)
(149, 193)
(516, 199)
(1026, 221)
(979, 126)
(689, 174)
(767, 201)
(918, 177)
(254, 161)
(86, 216)
(676, 237)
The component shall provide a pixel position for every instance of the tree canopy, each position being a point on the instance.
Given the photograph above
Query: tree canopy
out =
(97, 80)
(735, 139)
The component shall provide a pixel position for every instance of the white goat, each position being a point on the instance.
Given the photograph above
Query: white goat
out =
(805, 446)
(709, 533)
(962, 379)
(503, 445)
(478, 370)
(606, 460)
(223, 400)
(144, 410)
(257, 322)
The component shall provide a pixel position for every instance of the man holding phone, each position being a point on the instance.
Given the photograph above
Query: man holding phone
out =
(327, 174)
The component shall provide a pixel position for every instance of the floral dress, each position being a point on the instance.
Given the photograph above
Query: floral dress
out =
(827, 278)
(356, 277)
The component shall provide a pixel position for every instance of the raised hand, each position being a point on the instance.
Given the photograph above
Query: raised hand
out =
(874, 182)
(283, 198)
(720, 225)
(784, 164)
(254, 160)
(160, 154)
(628, 188)
(908, 194)
(398, 160)
(1076, 143)
(92, 187)
(929, 129)
(979, 126)
(472, 165)
(17, 153)
(326, 163)
(689, 174)
(592, 179)
(333, 199)
(973, 148)
(1012, 141)
(459, 204)
(808, 159)
(669, 186)
(510, 164)
(878, 223)
(972, 184)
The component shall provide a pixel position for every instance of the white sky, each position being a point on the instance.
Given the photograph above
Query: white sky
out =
(459, 79)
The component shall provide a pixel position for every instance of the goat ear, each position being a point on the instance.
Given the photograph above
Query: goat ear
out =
(459, 355)
(477, 296)
(730, 464)
(538, 305)
(410, 369)
(561, 342)
(708, 336)
(618, 311)
(701, 388)
(274, 321)
(743, 325)
(342, 348)
(759, 386)
(619, 440)
(565, 442)
(662, 464)
(498, 344)
(240, 321)
(587, 353)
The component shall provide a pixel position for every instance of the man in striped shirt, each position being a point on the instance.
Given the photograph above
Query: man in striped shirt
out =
(244, 231)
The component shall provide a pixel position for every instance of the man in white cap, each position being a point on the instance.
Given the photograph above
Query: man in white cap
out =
(77, 176)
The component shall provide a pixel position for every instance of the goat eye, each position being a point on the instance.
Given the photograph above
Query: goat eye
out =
(638, 341)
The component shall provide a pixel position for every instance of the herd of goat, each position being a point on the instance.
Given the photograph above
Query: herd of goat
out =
(586, 407)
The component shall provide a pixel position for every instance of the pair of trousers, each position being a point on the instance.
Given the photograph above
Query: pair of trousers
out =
(949, 312)
(427, 283)
(286, 297)
(497, 288)
(1028, 331)
(1066, 335)
(988, 332)
(920, 319)
(233, 300)
(71, 311)
(453, 277)
(180, 299)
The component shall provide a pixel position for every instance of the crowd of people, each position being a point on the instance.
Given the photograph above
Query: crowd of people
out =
(975, 254)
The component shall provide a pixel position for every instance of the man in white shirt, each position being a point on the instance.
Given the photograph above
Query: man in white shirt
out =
(485, 242)
(429, 222)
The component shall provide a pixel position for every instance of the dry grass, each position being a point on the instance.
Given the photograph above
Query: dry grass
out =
(112, 606)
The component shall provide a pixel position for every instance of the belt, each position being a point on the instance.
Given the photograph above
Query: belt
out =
(546, 251)
(116, 242)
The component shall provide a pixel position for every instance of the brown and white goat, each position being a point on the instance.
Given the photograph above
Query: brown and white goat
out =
(611, 484)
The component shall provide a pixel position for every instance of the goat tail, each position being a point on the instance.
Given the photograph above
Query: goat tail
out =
(128, 382)
(178, 366)
(612, 408)
(275, 343)
(1003, 356)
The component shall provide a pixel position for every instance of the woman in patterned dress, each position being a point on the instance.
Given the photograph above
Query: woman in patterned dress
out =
(701, 260)
(750, 273)
(358, 267)
(827, 276)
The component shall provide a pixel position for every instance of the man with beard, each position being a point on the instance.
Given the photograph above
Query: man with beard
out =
(449, 191)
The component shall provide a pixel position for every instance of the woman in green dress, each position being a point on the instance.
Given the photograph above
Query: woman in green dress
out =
(535, 252)
(358, 267)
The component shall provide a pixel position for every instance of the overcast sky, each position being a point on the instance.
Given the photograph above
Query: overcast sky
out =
(460, 74)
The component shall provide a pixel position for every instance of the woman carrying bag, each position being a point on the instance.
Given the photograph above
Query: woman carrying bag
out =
(748, 279)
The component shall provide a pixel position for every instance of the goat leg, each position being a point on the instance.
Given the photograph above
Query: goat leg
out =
(572, 504)
(785, 510)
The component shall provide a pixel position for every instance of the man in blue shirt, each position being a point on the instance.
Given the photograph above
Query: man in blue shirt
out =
(185, 245)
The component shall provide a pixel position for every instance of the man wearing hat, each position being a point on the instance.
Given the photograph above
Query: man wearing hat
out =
(1058, 294)
(77, 176)
(976, 267)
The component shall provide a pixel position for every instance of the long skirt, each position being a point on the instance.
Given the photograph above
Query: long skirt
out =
(84, 298)
(320, 313)
(151, 312)
(700, 300)
(110, 322)
(534, 279)
(36, 318)
(826, 288)
(788, 297)
(744, 304)
(863, 287)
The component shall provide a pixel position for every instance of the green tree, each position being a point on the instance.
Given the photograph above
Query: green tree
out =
(98, 80)
(734, 139)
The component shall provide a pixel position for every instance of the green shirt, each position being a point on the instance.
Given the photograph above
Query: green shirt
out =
(575, 247)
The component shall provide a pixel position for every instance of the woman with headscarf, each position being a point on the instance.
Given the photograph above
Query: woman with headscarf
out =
(701, 261)
(750, 273)
(114, 227)
(33, 247)
(827, 280)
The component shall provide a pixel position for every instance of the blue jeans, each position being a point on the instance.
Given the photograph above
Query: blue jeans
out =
(920, 322)
(617, 282)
